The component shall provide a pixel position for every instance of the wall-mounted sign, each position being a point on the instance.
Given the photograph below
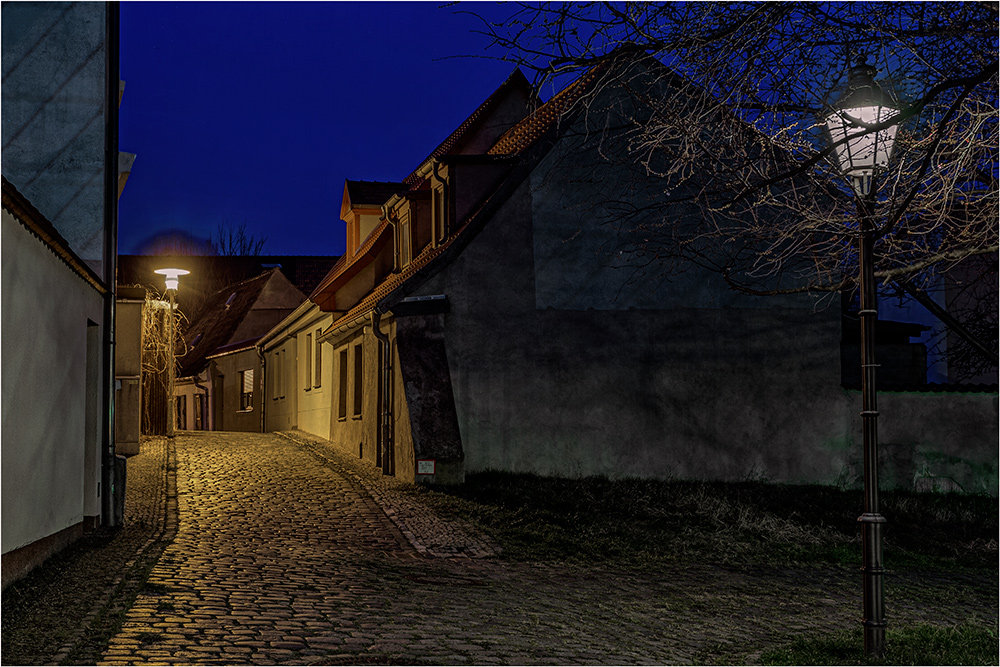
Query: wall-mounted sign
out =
(425, 467)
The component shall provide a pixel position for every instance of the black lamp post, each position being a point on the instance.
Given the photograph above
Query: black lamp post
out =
(862, 153)
(171, 279)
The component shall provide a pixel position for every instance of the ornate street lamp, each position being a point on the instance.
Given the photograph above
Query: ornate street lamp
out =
(171, 279)
(863, 150)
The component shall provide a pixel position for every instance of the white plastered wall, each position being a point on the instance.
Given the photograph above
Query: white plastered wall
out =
(52, 375)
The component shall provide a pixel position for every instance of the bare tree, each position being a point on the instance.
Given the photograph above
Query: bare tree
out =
(234, 241)
(735, 130)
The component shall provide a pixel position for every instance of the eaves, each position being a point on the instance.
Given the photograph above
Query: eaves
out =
(36, 223)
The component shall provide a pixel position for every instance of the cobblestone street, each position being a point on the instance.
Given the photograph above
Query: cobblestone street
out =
(288, 552)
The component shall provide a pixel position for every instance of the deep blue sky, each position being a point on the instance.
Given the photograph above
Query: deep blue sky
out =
(256, 112)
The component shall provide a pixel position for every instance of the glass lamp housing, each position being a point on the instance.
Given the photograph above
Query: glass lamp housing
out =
(862, 152)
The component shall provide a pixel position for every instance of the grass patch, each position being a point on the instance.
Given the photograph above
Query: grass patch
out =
(913, 645)
(748, 523)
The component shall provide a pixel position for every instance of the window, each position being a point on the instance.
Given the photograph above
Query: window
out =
(342, 398)
(318, 360)
(246, 390)
(276, 377)
(309, 362)
(439, 217)
(404, 241)
(359, 378)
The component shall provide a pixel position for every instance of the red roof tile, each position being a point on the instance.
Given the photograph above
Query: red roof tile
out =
(516, 78)
(519, 138)
(523, 135)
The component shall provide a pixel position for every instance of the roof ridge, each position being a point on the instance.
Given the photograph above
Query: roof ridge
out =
(515, 78)
(525, 133)
(262, 274)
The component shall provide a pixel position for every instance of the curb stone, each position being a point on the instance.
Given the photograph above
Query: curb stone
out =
(430, 534)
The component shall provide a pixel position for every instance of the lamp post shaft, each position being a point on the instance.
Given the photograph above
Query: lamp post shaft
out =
(872, 520)
(172, 362)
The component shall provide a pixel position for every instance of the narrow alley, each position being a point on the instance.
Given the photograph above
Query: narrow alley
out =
(287, 552)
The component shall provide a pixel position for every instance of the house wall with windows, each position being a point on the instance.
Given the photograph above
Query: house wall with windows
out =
(129, 315)
(237, 388)
(281, 385)
(352, 422)
(492, 320)
(306, 378)
(193, 403)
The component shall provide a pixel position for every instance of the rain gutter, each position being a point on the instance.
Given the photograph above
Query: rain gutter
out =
(112, 497)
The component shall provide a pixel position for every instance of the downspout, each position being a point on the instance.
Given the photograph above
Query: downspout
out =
(205, 405)
(385, 378)
(263, 387)
(110, 492)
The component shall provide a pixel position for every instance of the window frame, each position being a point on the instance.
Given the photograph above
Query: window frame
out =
(318, 360)
(246, 398)
(342, 379)
(359, 379)
(309, 363)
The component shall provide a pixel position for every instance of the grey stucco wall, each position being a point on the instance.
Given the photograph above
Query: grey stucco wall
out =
(655, 379)
(53, 115)
(933, 441)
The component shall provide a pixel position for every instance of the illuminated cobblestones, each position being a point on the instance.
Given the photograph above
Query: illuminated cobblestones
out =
(283, 557)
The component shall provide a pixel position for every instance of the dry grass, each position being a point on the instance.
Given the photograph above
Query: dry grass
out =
(735, 523)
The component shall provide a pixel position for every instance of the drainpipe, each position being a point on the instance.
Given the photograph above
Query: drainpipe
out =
(111, 492)
(385, 378)
(205, 405)
(263, 388)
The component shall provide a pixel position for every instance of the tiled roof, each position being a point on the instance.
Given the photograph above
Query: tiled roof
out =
(516, 78)
(523, 135)
(391, 283)
(515, 140)
(348, 260)
(210, 273)
(372, 193)
(219, 319)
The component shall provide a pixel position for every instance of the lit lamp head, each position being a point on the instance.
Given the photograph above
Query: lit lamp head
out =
(861, 153)
(171, 276)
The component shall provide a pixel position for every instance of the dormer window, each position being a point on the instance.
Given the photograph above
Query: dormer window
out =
(439, 214)
(405, 240)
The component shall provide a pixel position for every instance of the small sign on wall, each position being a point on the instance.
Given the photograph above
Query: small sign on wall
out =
(425, 467)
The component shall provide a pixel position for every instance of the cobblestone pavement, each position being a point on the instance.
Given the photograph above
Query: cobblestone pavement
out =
(285, 553)
(63, 611)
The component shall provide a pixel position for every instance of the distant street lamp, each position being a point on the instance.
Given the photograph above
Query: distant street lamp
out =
(862, 152)
(171, 279)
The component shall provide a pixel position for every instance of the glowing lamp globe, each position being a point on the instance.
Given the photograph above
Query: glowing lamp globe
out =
(862, 152)
(171, 276)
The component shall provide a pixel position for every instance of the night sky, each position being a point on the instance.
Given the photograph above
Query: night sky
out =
(256, 112)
